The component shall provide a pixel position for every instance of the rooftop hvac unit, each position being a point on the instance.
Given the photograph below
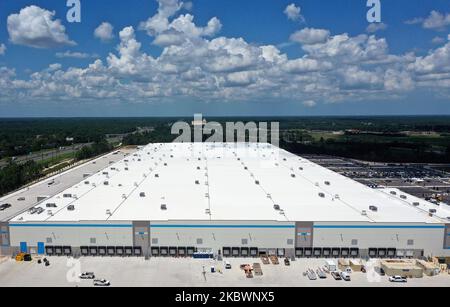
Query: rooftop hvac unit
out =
(364, 212)
(322, 195)
(126, 168)
(163, 207)
(416, 204)
(300, 168)
(293, 175)
(373, 208)
(393, 193)
(207, 211)
(67, 195)
(156, 175)
(197, 182)
(105, 173)
(142, 194)
(277, 207)
(403, 197)
(71, 208)
(49, 212)
(108, 212)
(327, 183)
(316, 184)
(86, 182)
(257, 182)
(106, 183)
(432, 211)
(337, 196)
(51, 205)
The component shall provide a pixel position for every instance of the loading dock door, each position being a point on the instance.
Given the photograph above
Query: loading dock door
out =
(23, 247)
(41, 248)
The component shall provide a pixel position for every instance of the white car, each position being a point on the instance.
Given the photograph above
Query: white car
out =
(397, 279)
(345, 276)
(87, 275)
(102, 283)
(227, 265)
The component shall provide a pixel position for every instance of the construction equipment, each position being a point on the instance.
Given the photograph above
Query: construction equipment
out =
(20, 257)
(23, 257)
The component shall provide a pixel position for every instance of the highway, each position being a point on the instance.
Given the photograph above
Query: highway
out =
(45, 155)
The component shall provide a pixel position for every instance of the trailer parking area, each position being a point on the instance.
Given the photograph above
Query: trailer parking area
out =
(184, 272)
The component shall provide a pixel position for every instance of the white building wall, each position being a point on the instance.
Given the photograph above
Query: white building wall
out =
(430, 238)
(216, 234)
(73, 234)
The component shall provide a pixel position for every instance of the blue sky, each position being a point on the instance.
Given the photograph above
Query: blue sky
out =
(251, 57)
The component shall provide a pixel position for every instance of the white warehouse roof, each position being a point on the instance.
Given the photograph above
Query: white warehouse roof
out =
(227, 182)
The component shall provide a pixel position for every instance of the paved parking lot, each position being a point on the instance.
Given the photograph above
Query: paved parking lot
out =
(61, 182)
(173, 272)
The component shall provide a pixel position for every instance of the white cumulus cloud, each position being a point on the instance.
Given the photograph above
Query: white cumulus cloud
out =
(310, 36)
(375, 27)
(293, 12)
(104, 32)
(75, 55)
(36, 27)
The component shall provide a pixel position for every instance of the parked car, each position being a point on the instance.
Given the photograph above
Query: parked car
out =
(363, 269)
(397, 279)
(87, 275)
(287, 262)
(102, 283)
(382, 273)
(345, 276)
(227, 265)
(336, 275)
(3, 207)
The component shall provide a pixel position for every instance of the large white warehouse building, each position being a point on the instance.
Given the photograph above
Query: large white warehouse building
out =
(234, 199)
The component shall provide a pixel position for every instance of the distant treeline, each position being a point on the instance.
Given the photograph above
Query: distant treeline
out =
(376, 151)
(95, 149)
(13, 176)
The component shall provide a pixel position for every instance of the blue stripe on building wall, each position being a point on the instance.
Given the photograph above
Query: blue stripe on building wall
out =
(223, 226)
(378, 227)
(74, 225)
(152, 226)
